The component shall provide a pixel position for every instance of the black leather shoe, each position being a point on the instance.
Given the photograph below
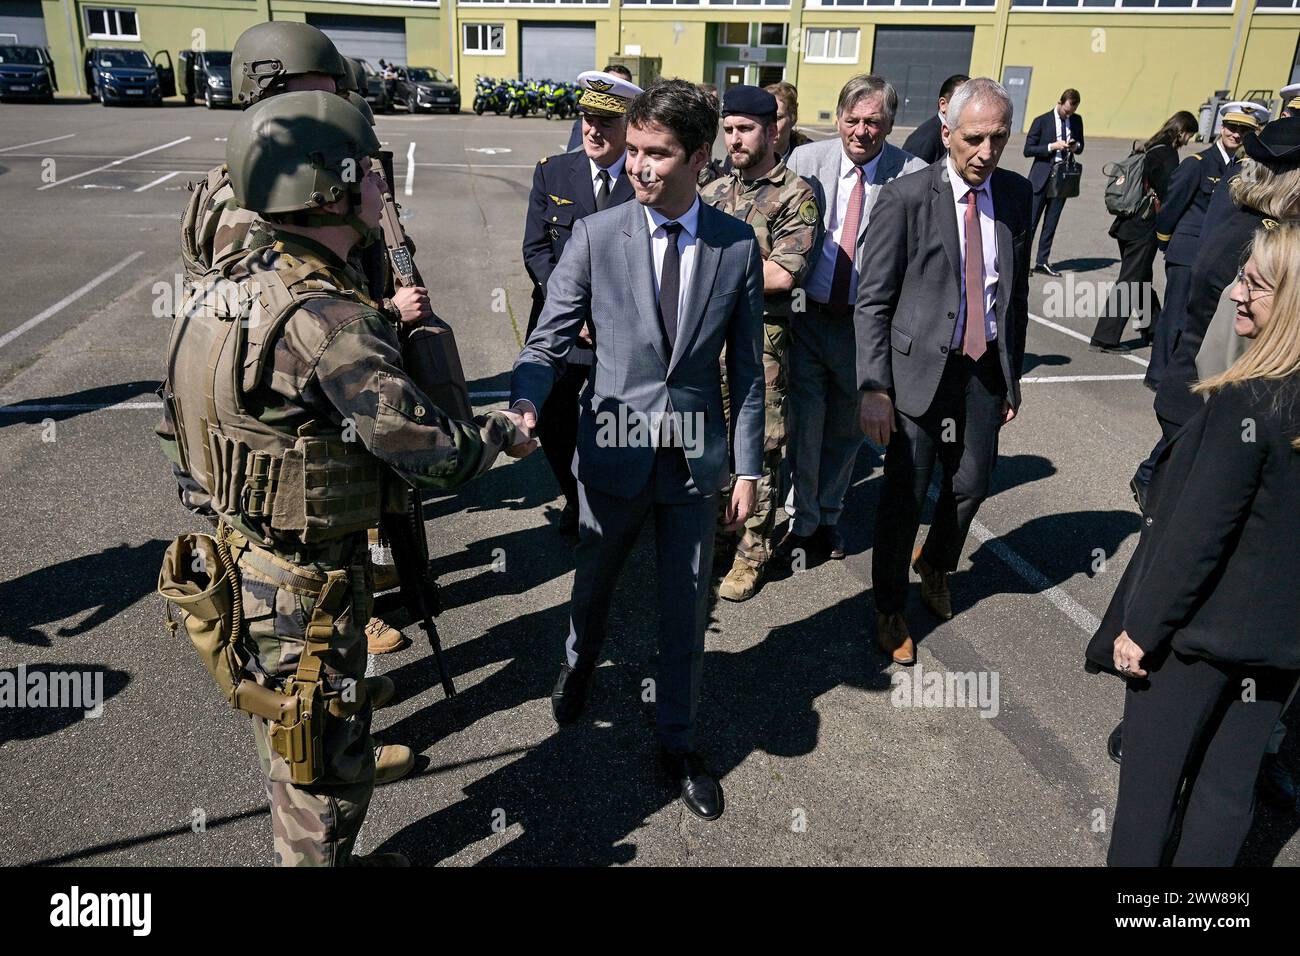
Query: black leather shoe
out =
(831, 541)
(1115, 742)
(1047, 270)
(1121, 349)
(701, 794)
(1276, 785)
(570, 694)
(785, 551)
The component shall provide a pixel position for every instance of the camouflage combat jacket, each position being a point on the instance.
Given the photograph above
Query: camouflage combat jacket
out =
(783, 212)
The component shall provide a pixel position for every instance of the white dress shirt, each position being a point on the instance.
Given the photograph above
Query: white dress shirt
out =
(615, 170)
(1062, 132)
(988, 235)
(1223, 152)
(690, 221)
(819, 284)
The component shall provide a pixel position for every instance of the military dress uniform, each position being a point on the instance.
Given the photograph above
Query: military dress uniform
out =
(565, 190)
(782, 210)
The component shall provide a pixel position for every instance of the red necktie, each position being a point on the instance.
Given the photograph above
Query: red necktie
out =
(848, 243)
(974, 340)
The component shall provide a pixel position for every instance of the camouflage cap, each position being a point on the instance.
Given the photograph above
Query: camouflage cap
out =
(266, 54)
(297, 152)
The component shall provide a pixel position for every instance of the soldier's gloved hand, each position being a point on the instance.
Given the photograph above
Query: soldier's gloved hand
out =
(413, 304)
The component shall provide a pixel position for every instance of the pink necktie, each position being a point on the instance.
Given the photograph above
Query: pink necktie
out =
(974, 340)
(848, 243)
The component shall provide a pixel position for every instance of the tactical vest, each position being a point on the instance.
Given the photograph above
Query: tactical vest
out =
(285, 489)
(212, 200)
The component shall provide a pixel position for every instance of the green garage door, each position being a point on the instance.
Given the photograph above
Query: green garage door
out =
(556, 51)
(917, 60)
(366, 38)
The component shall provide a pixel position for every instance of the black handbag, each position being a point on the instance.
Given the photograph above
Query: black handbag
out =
(1063, 183)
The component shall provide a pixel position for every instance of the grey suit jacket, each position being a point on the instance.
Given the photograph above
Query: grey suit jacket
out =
(910, 289)
(819, 163)
(606, 277)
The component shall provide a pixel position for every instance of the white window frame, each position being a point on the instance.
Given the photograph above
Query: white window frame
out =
(485, 35)
(785, 36)
(113, 17)
(838, 32)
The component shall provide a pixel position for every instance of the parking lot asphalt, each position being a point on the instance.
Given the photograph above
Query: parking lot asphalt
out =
(798, 714)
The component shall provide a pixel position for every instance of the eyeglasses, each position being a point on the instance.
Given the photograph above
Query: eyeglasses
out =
(1252, 290)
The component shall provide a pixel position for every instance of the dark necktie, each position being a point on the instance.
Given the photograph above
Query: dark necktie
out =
(975, 337)
(602, 194)
(840, 279)
(670, 282)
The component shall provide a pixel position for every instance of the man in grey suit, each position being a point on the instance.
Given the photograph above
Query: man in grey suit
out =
(846, 174)
(941, 316)
(664, 283)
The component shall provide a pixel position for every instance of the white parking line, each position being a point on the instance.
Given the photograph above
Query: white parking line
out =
(67, 300)
(52, 139)
(478, 165)
(161, 179)
(1081, 337)
(116, 162)
(410, 169)
(1049, 379)
(80, 407)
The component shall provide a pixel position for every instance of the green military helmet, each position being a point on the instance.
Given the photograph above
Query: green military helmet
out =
(359, 101)
(267, 54)
(354, 80)
(296, 152)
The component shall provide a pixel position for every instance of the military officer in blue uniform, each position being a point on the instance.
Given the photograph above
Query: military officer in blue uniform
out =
(1178, 224)
(567, 187)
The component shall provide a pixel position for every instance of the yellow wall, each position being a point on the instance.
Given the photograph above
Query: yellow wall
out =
(1269, 51)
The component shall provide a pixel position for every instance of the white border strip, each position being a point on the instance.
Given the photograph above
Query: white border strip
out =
(161, 179)
(68, 299)
(116, 162)
(52, 139)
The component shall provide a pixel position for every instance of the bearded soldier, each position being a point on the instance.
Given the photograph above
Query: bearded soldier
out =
(289, 416)
(783, 211)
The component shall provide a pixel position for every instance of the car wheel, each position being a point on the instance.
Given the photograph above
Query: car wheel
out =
(207, 99)
(412, 105)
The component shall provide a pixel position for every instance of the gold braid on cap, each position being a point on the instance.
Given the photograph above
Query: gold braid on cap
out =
(1237, 116)
(603, 101)
(1293, 103)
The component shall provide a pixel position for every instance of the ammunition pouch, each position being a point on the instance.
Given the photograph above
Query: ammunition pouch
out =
(432, 360)
(197, 576)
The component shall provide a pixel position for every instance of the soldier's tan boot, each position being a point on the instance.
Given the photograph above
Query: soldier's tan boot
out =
(380, 691)
(893, 637)
(381, 859)
(741, 582)
(934, 588)
(382, 639)
(392, 762)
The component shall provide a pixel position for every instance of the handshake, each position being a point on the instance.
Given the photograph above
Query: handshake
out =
(524, 417)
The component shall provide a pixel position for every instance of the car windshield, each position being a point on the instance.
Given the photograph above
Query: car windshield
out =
(370, 70)
(20, 54)
(217, 58)
(109, 59)
(425, 75)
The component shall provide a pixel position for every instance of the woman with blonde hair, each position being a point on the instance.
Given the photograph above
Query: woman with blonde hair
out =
(1205, 623)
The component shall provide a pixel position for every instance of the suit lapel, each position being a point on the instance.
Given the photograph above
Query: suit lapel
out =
(830, 180)
(582, 191)
(886, 170)
(945, 214)
(1002, 234)
(707, 257)
(623, 190)
(641, 274)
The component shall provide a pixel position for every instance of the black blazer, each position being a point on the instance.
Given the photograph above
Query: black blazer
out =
(561, 194)
(1214, 574)
(1227, 231)
(1178, 224)
(1042, 133)
(926, 141)
(910, 287)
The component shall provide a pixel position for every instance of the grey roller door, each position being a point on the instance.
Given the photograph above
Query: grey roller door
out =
(917, 60)
(366, 38)
(556, 51)
(22, 22)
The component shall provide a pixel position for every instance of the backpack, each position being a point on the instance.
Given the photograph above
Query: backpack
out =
(1126, 189)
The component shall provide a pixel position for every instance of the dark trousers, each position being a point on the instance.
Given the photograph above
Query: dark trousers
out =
(1169, 323)
(684, 525)
(1188, 722)
(960, 430)
(1132, 291)
(557, 427)
(1049, 210)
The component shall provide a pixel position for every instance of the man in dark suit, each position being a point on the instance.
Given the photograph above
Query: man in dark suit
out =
(1178, 228)
(664, 283)
(926, 141)
(941, 317)
(1053, 137)
(566, 188)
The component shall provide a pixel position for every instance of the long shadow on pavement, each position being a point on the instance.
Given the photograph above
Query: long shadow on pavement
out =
(78, 403)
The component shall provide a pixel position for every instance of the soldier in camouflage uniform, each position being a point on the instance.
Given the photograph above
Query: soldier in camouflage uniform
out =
(783, 212)
(290, 417)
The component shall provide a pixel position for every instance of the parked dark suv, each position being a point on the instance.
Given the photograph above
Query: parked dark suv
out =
(121, 75)
(376, 91)
(205, 75)
(26, 72)
(424, 88)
